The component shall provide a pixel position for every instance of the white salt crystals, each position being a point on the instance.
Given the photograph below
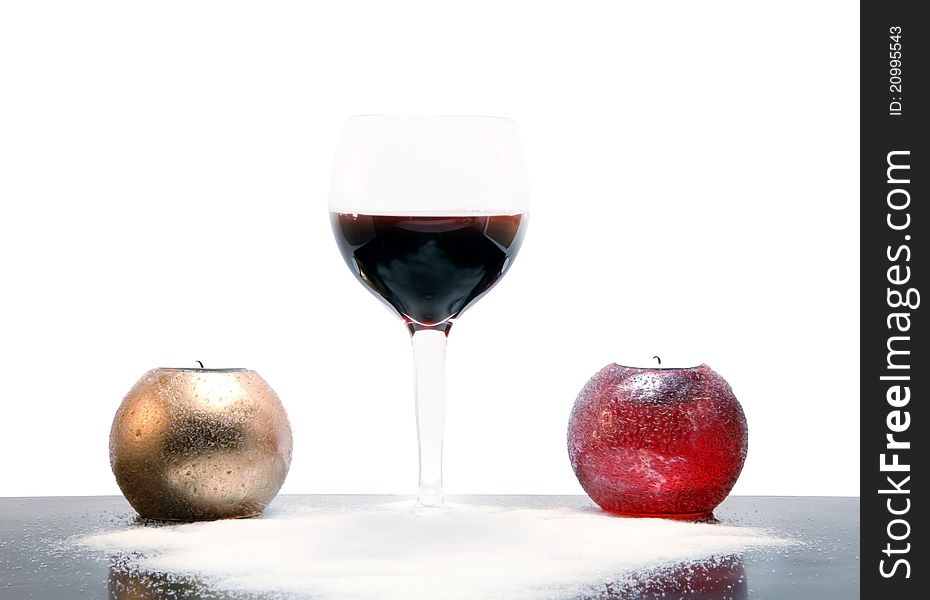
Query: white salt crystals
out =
(397, 551)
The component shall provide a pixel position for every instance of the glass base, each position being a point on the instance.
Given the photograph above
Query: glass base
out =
(430, 498)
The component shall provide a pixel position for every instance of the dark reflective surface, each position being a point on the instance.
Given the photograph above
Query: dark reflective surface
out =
(130, 584)
(37, 562)
(721, 579)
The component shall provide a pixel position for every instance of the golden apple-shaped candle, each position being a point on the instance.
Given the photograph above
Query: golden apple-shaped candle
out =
(200, 444)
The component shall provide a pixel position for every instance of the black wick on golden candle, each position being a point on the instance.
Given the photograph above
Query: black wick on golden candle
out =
(199, 363)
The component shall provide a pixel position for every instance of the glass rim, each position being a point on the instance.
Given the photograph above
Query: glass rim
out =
(423, 116)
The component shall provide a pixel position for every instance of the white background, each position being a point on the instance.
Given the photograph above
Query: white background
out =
(164, 170)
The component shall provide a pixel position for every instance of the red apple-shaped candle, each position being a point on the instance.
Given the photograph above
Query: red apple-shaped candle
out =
(657, 442)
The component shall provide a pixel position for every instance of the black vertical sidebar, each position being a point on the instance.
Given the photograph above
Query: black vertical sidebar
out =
(895, 372)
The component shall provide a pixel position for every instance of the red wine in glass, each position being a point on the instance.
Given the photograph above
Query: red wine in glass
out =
(428, 268)
(428, 213)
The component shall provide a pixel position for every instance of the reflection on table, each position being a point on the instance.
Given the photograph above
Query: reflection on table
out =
(717, 579)
(127, 583)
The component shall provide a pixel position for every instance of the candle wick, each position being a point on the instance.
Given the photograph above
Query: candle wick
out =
(200, 363)
(658, 359)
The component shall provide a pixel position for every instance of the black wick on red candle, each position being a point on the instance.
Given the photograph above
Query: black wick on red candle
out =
(200, 363)
(655, 357)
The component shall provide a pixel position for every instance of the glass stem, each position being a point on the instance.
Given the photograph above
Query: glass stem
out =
(429, 354)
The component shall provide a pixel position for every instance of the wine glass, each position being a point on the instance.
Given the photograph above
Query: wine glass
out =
(429, 212)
